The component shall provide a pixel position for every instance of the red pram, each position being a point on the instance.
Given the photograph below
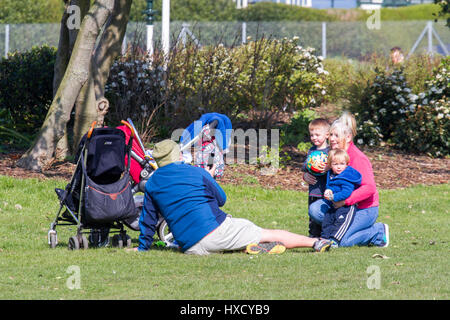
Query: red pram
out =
(142, 164)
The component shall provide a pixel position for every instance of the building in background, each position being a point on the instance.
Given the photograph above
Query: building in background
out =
(376, 4)
(340, 4)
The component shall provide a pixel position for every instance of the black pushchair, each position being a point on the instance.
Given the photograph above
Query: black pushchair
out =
(99, 196)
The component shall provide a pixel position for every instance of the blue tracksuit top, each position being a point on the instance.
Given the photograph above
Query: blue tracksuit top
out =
(188, 198)
(344, 183)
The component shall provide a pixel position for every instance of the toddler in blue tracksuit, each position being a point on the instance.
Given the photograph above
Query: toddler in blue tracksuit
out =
(342, 179)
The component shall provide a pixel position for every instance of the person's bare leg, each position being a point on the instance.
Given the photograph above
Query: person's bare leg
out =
(289, 239)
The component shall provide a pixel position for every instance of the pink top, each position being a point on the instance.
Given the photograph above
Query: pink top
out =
(366, 196)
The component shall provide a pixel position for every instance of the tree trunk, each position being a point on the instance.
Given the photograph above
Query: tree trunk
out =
(42, 151)
(67, 37)
(91, 102)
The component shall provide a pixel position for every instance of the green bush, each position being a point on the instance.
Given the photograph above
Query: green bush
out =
(26, 88)
(296, 132)
(31, 11)
(384, 102)
(267, 11)
(188, 10)
(389, 110)
(425, 127)
(260, 79)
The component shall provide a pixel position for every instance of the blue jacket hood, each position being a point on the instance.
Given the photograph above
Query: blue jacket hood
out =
(349, 174)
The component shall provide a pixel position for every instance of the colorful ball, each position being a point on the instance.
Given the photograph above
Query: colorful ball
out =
(315, 160)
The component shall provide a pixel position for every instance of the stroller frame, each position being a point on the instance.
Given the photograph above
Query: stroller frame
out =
(73, 218)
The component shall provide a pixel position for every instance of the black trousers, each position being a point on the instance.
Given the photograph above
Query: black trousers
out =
(315, 229)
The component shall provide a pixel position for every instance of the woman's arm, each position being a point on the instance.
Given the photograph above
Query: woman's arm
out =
(368, 187)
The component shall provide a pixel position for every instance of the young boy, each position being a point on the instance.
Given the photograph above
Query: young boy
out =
(318, 131)
(342, 179)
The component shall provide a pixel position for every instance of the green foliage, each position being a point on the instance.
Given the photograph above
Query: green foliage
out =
(279, 76)
(268, 11)
(426, 127)
(415, 12)
(26, 88)
(188, 10)
(296, 132)
(444, 10)
(260, 79)
(383, 104)
(31, 11)
(390, 111)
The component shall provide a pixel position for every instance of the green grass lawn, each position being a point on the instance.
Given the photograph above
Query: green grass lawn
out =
(415, 264)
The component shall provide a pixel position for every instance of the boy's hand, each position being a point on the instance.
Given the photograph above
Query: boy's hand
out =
(322, 167)
(328, 194)
(212, 170)
(309, 178)
(339, 204)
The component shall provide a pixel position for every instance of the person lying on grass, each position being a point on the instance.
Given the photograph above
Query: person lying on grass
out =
(189, 200)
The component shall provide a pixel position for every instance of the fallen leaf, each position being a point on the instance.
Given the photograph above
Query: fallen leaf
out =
(377, 255)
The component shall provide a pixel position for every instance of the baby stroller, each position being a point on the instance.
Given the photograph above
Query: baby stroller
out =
(99, 196)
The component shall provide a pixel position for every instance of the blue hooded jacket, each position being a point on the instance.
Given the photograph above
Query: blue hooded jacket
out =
(344, 183)
(188, 198)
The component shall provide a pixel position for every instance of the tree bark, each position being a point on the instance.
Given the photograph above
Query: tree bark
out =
(42, 151)
(90, 103)
(67, 37)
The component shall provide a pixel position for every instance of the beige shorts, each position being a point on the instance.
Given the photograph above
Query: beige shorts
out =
(232, 234)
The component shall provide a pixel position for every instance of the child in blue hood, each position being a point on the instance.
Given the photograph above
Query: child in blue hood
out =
(342, 179)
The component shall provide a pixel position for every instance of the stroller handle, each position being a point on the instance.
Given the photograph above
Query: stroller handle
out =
(129, 126)
(211, 126)
(94, 123)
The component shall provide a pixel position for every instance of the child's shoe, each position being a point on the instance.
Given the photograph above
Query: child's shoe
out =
(385, 242)
(266, 247)
(322, 245)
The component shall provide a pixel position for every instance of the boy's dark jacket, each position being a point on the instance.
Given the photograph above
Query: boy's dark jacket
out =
(316, 190)
(344, 183)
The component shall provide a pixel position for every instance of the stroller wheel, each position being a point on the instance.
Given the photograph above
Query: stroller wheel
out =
(164, 233)
(74, 243)
(84, 242)
(52, 239)
(126, 240)
(117, 241)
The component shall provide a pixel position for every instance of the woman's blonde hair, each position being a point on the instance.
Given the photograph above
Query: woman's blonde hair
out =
(345, 125)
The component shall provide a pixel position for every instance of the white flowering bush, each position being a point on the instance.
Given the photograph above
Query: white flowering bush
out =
(259, 79)
(383, 103)
(426, 126)
(135, 90)
(390, 112)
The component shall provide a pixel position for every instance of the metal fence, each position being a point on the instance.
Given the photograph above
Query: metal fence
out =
(331, 39)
